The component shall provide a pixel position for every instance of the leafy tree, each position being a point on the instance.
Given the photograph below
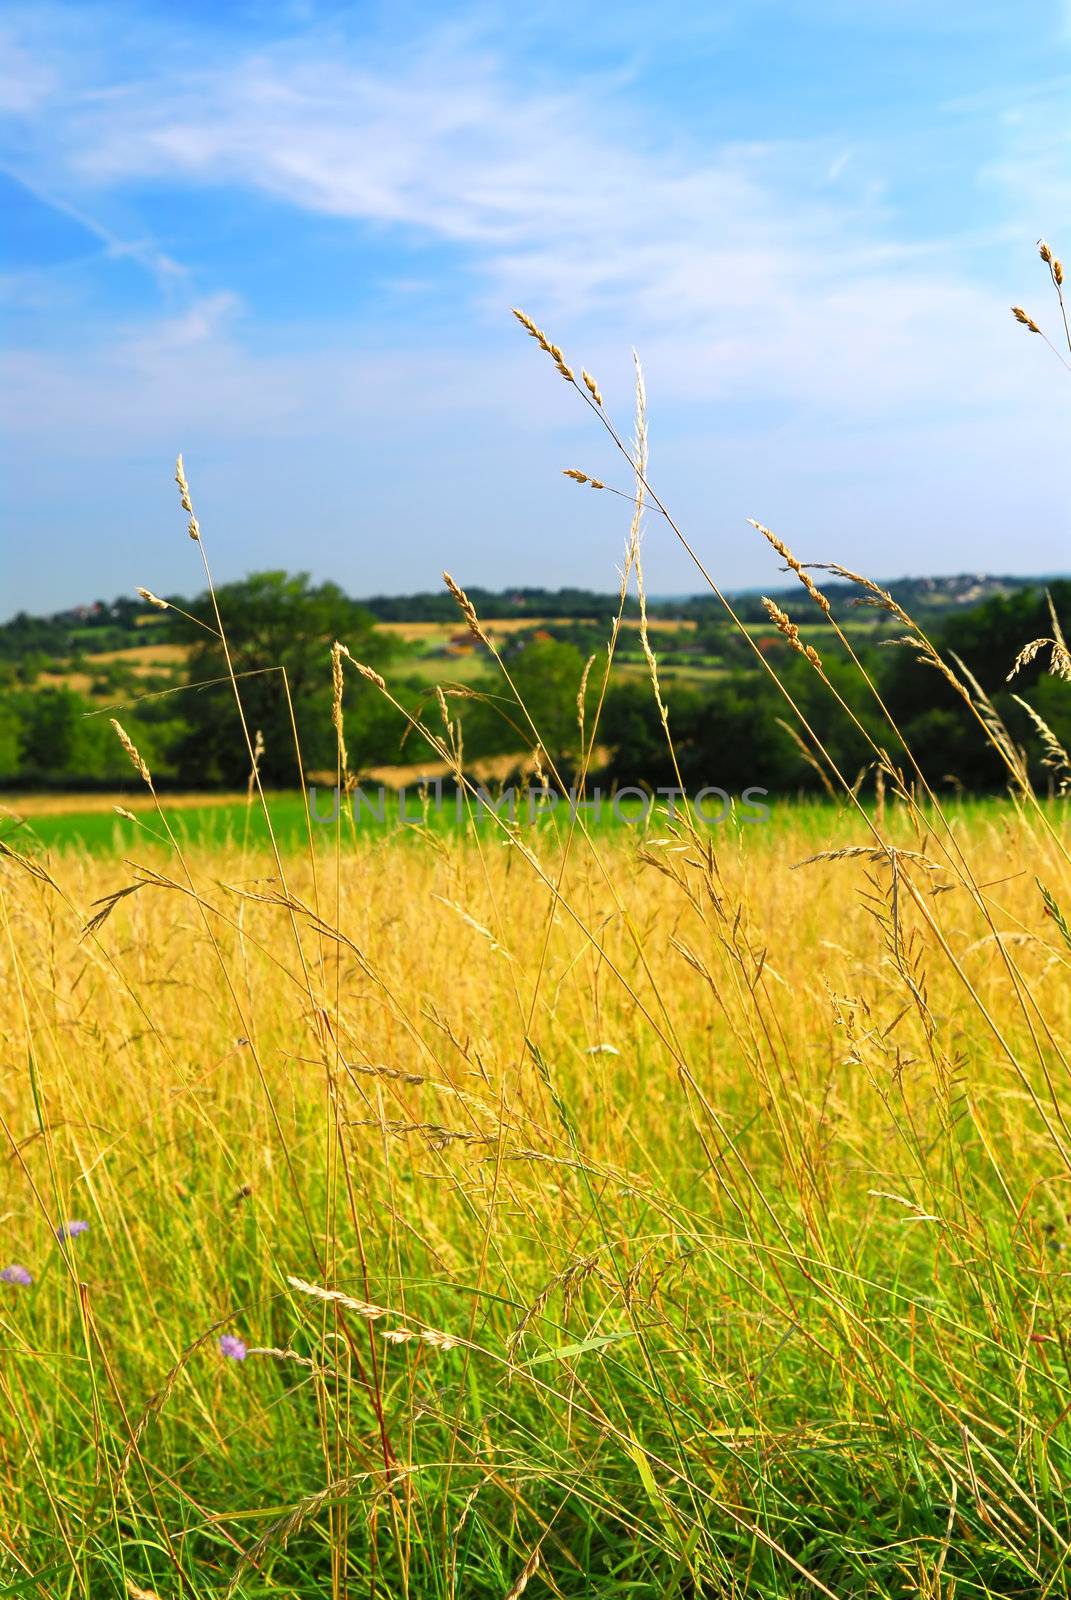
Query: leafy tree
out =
(726, 737)
(547, 674)
(279, 630)
(10, 728)
(61, 738)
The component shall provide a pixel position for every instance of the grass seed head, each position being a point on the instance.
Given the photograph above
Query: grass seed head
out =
(184, 488)
(467, 609)
(336, 701)
(591, 386)
(362, 1308)
(553, 350)
(797, 566)
(536, 333)
(785, 625)
(132, 751)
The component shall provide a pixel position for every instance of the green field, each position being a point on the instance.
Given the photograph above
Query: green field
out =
(229, 824)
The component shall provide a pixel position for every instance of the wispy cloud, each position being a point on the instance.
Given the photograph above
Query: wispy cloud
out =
(565, 199)
(771, 283)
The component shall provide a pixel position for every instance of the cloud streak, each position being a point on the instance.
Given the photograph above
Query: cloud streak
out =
(770, 283)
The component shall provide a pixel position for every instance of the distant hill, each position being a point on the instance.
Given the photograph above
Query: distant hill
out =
(102, 626)
(923, 594)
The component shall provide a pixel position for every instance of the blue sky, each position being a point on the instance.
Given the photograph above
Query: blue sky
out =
(285, 240)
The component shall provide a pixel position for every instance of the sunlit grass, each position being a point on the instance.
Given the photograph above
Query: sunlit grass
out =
(739, 1216)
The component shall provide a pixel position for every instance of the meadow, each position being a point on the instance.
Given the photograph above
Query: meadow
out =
(473, 1210)
(649, 1215)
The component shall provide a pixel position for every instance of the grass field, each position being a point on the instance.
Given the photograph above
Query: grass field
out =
(94, 824)
(648, 1217)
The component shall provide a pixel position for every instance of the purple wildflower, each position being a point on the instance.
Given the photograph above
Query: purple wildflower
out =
(231, 1347)
(71, 1230)
(16, 1274)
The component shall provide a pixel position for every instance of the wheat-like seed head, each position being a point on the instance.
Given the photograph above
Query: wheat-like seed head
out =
(1054, 264)
(591, 386)
(797, 566)
(879, 596)
(131, 749)
(531, 1566)
(184, 488)
(439, 1341)
(1059, 660)
(193, 527)
(582, 691)
(785, 625)
(570, 1281)
(152, 599)
(278, 1354)
(1028, 322)
(536, 332)
(359, 666)
(361, 1308)
(582, 477)
(1025, 656)
(866, 852)
(1055, 757)
(553, 350)
(467, 609)
(336, 702)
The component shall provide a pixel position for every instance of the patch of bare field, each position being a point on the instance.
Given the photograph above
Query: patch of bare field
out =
(62, 803)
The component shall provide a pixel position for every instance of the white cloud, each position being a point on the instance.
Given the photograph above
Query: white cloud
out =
(738, 258)
(779, 311)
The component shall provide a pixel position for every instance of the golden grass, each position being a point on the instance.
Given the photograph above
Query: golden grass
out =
(143, 656)
(732, 1109)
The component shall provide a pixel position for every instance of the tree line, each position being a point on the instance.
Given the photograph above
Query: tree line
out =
(730, 715)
